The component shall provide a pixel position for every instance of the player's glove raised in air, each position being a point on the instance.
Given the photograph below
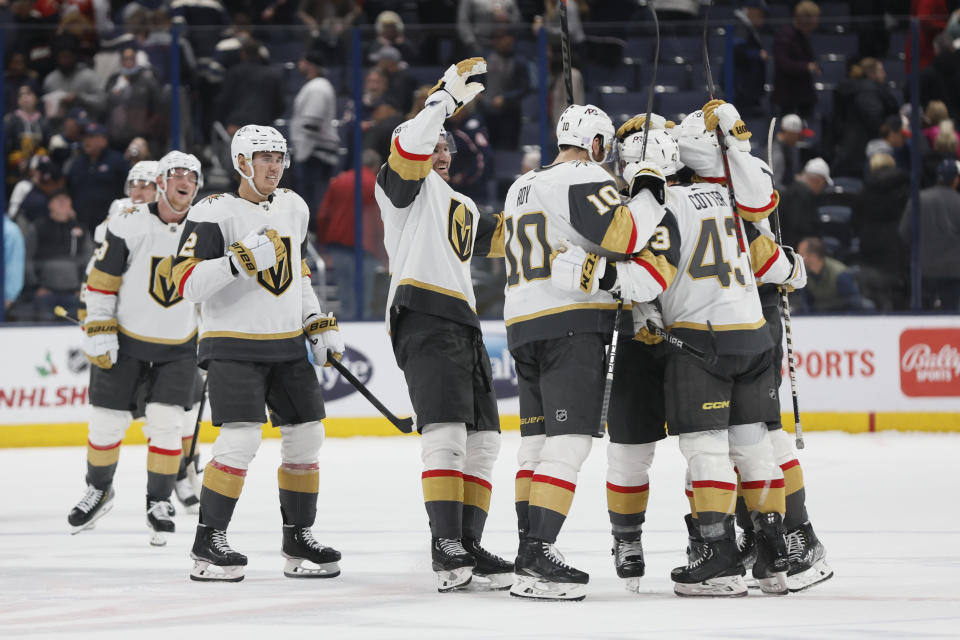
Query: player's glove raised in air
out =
(718, 113)
(645, 175)
(635, 125)
(261, 249)
(324, 335)
(454, 89)
(100, 343)
(798, 277)
(642, 313)
(574, 269)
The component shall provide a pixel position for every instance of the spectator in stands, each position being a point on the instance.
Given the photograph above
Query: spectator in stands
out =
(799, 201)
(133, 101)
(31, 35)
(884, 259)
(471, 171)
(29, 199)
(96, 178)
(932, 16)
(939, 237)
(17, 75)
(508, 81)
(786, 154)
(940, 80)
(389, 28)
(477, 20)
(400, 84)
(530, 161)
(67, 143)
(13, 261)
(795, 65)
(26, 132)
(252, 92)
(63, 246)
(892, 133)
(749, 57)
(137, 150)
(312, 132)
(557, 96)
(550, 20)
(861, 105)
(934, 114)
(71, 84)
(385, 117)
(830, 285)
(335, 232)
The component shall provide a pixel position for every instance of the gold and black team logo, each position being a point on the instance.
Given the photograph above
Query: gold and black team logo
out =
(460, 230)
(277, 278)
(162, 288)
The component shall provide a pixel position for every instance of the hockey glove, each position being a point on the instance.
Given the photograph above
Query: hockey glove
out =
(718, 113)
(643, 312)
(324, 336)
(453, 90)
(645, 175)
(260, 250)
(573, 269)
(100, 343)
(635, 125)
(798, 277)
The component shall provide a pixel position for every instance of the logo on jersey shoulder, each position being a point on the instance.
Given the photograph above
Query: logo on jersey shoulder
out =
(277, 278)
(162, 287)
(212, 197)
(460, 230)
(128, 211)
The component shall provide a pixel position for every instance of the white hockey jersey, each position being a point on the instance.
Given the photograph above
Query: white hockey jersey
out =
(573, 201)
(430, 230)
(127, 282)
(249, 319)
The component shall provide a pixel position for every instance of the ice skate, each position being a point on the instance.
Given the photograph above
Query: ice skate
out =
(694, 541)
(492, 573)
(94, 504)
(771, 565)
(628, 559)
(807, 557)
(542, 574)
(214, 560)
(747, 546)
(187, 487)
(307, 558)
(159, 520)
(715, 571)
(452, 563)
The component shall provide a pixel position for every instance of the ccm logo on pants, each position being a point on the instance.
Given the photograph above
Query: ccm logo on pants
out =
(723, 404)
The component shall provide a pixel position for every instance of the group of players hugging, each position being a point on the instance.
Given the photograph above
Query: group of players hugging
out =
(662, 236)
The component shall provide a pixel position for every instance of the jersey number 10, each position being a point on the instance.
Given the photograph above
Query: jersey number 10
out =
(537, 223)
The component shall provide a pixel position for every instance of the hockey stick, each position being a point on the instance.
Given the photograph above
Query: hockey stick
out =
(565, 52)
(785, 302)
(60, 312)
(679, 343)
(405, 425)
(196, 426)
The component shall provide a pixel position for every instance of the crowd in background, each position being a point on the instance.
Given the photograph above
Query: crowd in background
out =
(87, 93)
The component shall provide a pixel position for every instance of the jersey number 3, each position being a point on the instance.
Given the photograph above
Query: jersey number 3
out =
(534, 222)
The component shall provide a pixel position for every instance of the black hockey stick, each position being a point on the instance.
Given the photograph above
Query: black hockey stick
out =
(196, 427)
(405, 425)
(565, 52)
(785, 301)
(680, 344)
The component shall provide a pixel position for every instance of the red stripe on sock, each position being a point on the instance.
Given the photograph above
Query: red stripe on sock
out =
(763, 484)
(688, 492)
(557, 482)
(790, 465)
(226, 469)
(105, 447)
(619, 489)
(714, 484)
(304, 466)
(524, 473)
(479, 481)
(438, 473)
(164, 452)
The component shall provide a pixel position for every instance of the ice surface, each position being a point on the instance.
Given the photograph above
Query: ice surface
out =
(882, 503)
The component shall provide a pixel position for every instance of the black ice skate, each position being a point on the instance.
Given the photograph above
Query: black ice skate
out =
(694, 540)
(214, 560)
(628, 559)
(542, 573)
(807, 557)
(92, 506)
(187, 487)
(747, 546)
(159, 520)
(492, 573)
(452, 563)
(307, 558)
(715, 571)
(771, 565)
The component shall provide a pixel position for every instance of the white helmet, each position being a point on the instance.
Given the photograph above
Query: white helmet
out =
(178, 160)
(699, 148)
(252, 138)
(143, 171)
(662, 150)
(580, 124)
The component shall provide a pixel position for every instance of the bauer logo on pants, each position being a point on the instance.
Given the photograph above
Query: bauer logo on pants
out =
(930, 362)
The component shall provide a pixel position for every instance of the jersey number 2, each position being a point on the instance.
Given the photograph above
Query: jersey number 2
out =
(538, 222)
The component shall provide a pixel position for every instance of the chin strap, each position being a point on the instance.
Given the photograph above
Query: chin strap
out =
(249, 180)
(163, 194)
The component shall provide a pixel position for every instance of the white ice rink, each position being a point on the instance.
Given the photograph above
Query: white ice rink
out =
(884, 504)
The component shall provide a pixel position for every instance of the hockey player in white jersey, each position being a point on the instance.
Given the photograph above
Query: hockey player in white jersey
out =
(139, 331)
(557, 334)
(240, 257)
(431, 232)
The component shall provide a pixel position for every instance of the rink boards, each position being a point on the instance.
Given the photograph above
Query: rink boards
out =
(855, 374)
